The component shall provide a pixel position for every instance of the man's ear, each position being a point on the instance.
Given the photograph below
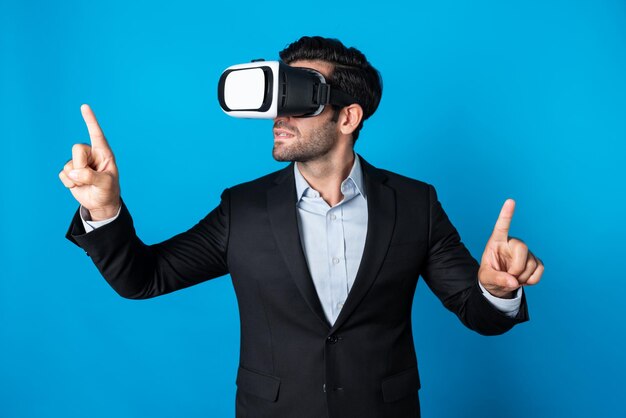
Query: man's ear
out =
(350, 118)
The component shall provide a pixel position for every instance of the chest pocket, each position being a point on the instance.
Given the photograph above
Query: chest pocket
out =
(408, 252)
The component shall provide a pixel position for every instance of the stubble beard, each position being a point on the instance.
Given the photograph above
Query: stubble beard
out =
(306, 148)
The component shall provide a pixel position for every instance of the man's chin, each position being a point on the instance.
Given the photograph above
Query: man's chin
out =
(280, 157)
(283, 153)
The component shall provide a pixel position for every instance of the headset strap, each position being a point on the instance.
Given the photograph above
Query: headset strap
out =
(328, 94)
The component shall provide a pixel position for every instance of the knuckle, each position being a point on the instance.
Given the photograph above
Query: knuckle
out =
(518, 244)
(502, 281)
(86, 175)
(66, 181)
(534, 279)
(80, 149)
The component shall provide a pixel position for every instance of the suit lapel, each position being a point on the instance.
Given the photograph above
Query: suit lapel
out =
(281, 206)
(381, 209)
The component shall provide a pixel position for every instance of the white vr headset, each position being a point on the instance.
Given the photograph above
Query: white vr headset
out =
(267, 89)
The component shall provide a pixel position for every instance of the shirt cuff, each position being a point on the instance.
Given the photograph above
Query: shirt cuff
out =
(509, 307)
(90, 225)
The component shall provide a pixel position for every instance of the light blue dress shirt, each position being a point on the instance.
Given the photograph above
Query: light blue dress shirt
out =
(333, 238)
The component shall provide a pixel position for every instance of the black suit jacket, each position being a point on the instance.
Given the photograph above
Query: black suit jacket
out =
(293, 363)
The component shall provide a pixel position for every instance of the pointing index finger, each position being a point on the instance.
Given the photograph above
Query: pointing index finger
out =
(503, 224)
(95, 132)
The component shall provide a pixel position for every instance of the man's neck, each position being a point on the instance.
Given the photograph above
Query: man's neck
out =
(326, 174)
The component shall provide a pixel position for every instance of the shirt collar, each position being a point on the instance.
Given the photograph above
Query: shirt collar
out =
(354, 179)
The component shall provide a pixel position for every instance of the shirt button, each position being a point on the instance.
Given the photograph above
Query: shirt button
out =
(340, 305)
(335, 260)
(333, 217)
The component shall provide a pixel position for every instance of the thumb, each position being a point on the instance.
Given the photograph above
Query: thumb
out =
(499, 280)
(90, 177)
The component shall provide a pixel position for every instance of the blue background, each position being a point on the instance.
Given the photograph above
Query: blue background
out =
(484, 99)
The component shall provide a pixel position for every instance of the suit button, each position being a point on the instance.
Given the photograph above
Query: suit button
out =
(332, 339)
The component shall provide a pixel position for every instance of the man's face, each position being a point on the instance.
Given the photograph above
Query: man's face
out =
(305, 139)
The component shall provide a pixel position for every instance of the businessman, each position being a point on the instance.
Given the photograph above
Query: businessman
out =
(324, 256)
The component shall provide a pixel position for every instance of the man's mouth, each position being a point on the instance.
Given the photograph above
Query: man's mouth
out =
(282, 133)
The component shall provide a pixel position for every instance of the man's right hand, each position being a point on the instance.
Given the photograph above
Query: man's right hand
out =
(91, 174)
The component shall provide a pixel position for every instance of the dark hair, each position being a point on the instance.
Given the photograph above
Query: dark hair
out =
(352, 73)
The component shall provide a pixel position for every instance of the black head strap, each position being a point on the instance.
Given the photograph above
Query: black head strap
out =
(328, 94)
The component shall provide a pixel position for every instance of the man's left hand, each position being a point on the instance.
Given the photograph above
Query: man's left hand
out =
(507, 264)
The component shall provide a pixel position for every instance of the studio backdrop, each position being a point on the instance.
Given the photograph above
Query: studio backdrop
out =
(486, 100)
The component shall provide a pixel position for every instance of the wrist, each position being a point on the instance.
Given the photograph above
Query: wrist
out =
(501, 294)
(506, 295)
(498, 293)
(104, 213)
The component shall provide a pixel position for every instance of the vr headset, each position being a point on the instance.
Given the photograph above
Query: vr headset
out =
(267, 89)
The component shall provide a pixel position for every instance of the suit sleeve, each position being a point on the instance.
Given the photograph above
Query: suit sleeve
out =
(139, 271)
(452, 274)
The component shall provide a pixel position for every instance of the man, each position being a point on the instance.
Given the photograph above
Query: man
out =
(324, 256)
